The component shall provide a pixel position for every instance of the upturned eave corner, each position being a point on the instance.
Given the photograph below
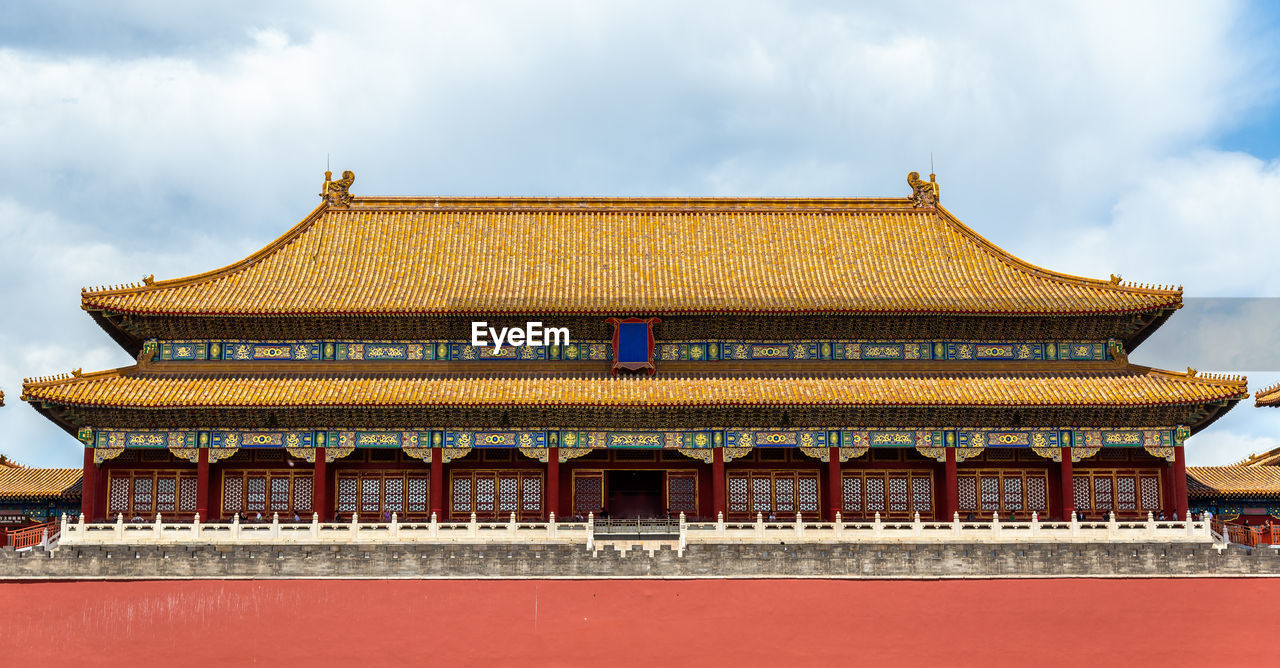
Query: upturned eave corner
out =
(1267, 397)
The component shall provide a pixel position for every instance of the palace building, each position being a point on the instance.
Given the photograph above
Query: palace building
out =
(1247, 492)
(732, 356)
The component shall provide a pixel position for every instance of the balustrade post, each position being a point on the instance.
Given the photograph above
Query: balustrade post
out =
(1112, 528)
(315, 526)
(355, 527)
(235, 527)
(275, 527)
(511, 525)
(1191, 530)
(917, 528)
(839, 525)
(1151, 524)
(119, 527)
(876, 527)
(159, 528)
(955, 523)
(1035, 523)
(759, 524)
(719, 524)
(395, 526)
(591, 531)
(195, 527)
(1075, 525)
(684, 532)
(473, 529)
(995, 524)
(551, 524)
(799, 525)
(434, 530)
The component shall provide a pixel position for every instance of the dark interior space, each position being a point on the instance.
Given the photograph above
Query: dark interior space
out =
(635, 494)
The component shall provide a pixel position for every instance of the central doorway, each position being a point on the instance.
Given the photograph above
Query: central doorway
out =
(635, 494)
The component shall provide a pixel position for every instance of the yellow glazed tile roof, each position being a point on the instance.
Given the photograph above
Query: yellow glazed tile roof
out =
(1133, 387)
(629, 256)
(1269, 396)
(1233, 481)
(16, 483)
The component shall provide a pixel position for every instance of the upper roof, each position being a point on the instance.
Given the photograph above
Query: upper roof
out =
(25, 483)
(1268, 396)
(401, 256)
(1126, 386)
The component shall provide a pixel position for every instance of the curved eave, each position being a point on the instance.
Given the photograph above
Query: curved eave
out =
(1268, 397)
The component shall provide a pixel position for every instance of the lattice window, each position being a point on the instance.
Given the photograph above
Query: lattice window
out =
(187, 495)
(968, 489)
(347, 491)
(875, 495)
(990, 486)
(922, 495)
(760, 495)
(588, 493)
(279, 494)
(508, 494)
(370, 494)
(531, 491)
(255, 494)
(119, 502)
(142, 495)
(1150, 493)
(1102, 493)
(1080, 488)
(462, 495)
(738, 496)
(393, 495)
(232, 494)
(1012, 493)
(1037, 495)
(999, 454)
(852, 500)
(899, 502)
(166, 495)
(808, 494)
(1126, 493)
(682, 493)
(783, 495)
(302, 487)
(484, 495)
(419, 491)
(1114, 454)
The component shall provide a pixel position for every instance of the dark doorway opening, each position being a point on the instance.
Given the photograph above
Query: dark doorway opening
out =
(635, 494)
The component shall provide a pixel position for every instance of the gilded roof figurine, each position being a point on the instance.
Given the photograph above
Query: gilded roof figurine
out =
(337, 193)
(923, 193)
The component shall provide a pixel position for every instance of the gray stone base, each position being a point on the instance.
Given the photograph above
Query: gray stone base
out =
(860, 560)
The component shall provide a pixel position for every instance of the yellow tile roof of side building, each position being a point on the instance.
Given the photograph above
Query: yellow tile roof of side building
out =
(511, 255)
(29, 483)
(1268, 396)
(1233, 481)
(1134, 386)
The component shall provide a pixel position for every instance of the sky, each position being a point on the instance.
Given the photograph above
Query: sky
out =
(1138, 138)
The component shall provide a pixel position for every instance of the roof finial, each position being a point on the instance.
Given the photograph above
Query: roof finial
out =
(335, 193)
(923, 193)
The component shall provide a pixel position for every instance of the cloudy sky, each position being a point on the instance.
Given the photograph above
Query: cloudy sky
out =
(1141, 139)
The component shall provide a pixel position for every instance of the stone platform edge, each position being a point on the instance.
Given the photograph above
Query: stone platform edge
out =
(699, 561)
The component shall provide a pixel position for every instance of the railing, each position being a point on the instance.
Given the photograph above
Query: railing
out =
(36, 534)
(512, 531)
(1248, 535)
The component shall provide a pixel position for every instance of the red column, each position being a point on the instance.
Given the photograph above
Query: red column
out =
(320, 487)
(1170, 491)
(553, 483)
(951, 485)
(437, 483)
(202, 484)
(1068, 486)
(717, 481)
(87, 490)
(1180, 481)
(835, 486)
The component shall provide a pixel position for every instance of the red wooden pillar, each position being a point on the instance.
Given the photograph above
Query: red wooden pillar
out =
(202, 484)
(1068, 486)
(553, 482)
(320, 487)
(88, 493)
(835, 486)
(1170, 491)
(1180, 481)
(717, 481)
(437, 483)
(951, 487)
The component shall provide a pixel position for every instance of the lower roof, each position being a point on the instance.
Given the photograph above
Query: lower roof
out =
(1206, 482)
(30, 483)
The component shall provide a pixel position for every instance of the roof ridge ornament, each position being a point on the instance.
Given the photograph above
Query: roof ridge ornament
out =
(923, 193)
(337, 192)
